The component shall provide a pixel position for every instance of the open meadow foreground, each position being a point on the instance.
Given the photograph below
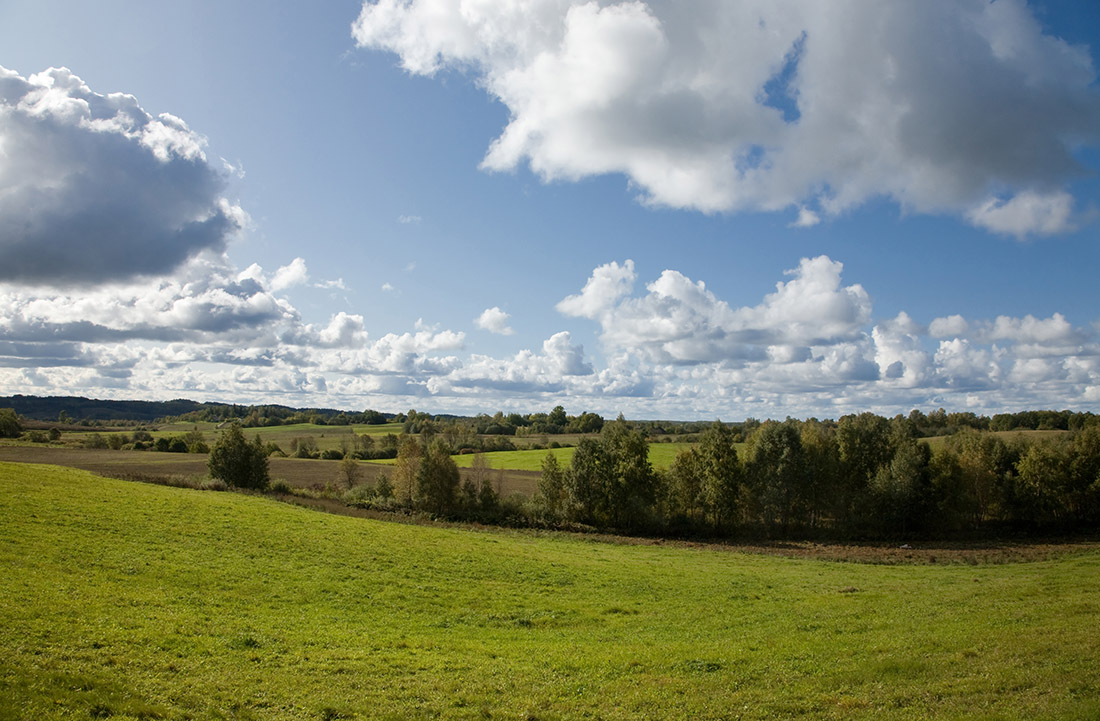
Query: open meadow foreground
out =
(126, 600)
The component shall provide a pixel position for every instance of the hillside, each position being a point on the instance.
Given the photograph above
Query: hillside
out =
(126, 600)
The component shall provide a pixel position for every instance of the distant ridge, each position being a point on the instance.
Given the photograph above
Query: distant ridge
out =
(47, 408)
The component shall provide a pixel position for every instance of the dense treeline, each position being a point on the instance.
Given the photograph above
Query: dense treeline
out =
(861, 476)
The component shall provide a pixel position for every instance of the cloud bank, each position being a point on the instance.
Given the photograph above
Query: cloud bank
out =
(669, 347)
(944, 106)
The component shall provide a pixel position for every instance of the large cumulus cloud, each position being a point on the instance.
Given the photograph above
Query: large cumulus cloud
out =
(94, 189)
(960, 106)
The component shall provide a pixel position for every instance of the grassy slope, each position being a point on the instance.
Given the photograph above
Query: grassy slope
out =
(145, 601)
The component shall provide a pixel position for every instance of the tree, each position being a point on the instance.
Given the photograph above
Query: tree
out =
(984, 463)
(10, 427)
(406, 468)
(721, 473)
(437, 480)
(631, 490)
(587, 480)
(777, 470)
(901, 489)
(863, 444)
(552, 486)
(685, 484)
(348, 472)
(822, 462)
(238, 462)
(557, 418)
(481, 475)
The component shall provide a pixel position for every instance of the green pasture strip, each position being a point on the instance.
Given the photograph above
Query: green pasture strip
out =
(124, 600)
(1024, 436)
(661, 455)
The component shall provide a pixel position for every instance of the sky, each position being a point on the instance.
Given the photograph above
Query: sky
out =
(670, 210)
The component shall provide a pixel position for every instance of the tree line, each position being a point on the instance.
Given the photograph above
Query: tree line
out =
(863, 476)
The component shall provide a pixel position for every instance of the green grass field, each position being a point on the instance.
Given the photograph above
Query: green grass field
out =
(661, 455)
(129, 601)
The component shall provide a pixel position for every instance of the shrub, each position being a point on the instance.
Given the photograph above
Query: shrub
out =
(37, 436)
(332, 454)
(95, 440)
(280, 485)
(360, 496)
(55, 434)
(238, 462)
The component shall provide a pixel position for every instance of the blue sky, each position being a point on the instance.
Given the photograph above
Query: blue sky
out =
(463, 207)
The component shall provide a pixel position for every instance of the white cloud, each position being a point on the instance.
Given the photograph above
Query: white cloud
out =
(607, 284)
(387, 287)
(494, 320)
(680, 321)
(806, 218)
(344, 330)
(722, 106)
(1027, 213)
(899, 353)
(525, 372)
(288, 276)
(1030, 329)
(949, 327)
(94, 189)
(409, 219)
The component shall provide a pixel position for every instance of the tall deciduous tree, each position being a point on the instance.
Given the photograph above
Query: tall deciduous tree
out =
(777, 472)
(552, 486)
(631, 485)
(437, 480)
(721, 474)
(586, 483)
(405, 469)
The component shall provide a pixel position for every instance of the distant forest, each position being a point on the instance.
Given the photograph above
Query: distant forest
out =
(76, 408)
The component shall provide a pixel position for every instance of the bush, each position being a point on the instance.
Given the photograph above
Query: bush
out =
(238, 462)
(10, 427)
(55, 434)
(95, 440)
(37, 436)
(332, 455)
(280, 485)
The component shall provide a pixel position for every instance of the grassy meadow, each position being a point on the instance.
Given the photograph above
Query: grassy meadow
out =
(126, 600)
(661, 455)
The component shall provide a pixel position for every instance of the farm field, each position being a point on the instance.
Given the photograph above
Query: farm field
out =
(128, 600)
(304, 473)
